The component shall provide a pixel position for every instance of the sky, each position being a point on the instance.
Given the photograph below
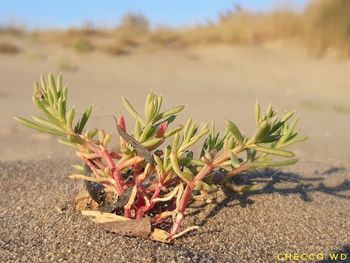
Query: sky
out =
(42, 14)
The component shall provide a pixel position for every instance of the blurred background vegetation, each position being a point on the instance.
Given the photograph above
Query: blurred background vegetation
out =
(321, 26)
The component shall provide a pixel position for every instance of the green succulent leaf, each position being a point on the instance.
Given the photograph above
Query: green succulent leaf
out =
(270, 138)
(92, 133)
(132, 111)
(152, 143)
(257, 112)
(107, 140)
(38, 127)
(81, 124)
(266, 164)
(272, 151)
(66, 143)
(175, 164)
(79, 168)
(70, 118)
(173, 131)
(74, 138)
(146, 132)
(170, 112)
(50, 125)
(235, 131)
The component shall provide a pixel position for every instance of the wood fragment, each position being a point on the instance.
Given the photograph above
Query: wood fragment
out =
(160, 236)
(100, 217)
(133, 228)
(120, 224)
(135, 144)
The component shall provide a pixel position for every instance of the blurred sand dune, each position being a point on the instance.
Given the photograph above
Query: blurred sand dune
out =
(215, 82)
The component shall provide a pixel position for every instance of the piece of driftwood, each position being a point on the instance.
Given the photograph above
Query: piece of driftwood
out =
(134, 228)
(120, 224)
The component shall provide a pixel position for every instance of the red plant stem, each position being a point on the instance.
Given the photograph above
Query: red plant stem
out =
(226, 155)
(104, 153)
(115, 155)
(127, 212)
(138, 169)
(92, 167)
(200, 176)
(121, 123)
(115, 172)
(181, 212)
(238, 170)
(108, 158)
(187, 196)
(155, 195)
(118, 184)
(99, 163)
(95, 149)
(151, 204)
(158, 219)
(140, 175)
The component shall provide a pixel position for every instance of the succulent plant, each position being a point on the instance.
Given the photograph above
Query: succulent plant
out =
(156, 169)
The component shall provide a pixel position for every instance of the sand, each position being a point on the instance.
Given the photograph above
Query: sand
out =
(299, 212)
(302, 209)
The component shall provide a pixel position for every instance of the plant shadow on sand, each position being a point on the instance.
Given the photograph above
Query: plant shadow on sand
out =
(272, 181)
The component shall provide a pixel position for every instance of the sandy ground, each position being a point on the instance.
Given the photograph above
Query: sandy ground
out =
(304, 209)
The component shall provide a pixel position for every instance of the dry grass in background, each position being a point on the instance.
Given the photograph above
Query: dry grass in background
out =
(8, 47)
(326, 25)
(323, 25)
(83, 45)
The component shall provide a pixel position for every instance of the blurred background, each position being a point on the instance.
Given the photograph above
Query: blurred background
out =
(216, 57)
